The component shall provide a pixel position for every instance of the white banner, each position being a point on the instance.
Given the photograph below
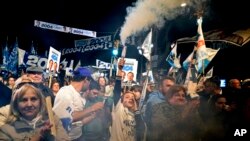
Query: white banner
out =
(65, 29)
(34, 60)
(102, 64)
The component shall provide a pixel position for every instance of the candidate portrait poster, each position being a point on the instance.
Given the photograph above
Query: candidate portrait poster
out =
(53, 60)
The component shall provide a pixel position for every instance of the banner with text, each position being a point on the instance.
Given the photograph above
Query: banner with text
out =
(86, 45)
(65, 29)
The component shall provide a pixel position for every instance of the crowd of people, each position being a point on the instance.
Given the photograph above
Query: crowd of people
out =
(86, 109)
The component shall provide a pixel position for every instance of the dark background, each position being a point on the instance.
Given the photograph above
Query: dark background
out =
(106, 17)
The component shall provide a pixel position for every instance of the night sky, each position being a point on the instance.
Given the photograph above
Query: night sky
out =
(106, 17)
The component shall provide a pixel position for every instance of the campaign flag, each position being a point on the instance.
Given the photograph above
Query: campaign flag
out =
(6, 57)
(201, 52)
(77, 65)
(210, 73)
(186, 63)
(175, 67)
(21, 54)
(13, 59)
(147, 45)
(200, 85)
(172, 55)
(191, 81)
(32, 49)
(203, 63)
(191, 77)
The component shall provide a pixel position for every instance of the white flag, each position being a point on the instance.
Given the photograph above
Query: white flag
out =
(21, 54)
(147, 45)
(172, 58)
(201, 52)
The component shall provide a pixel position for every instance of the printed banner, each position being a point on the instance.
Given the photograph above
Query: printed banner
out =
(65, 29)
(102, 64)
(85, 45)
(34, 60)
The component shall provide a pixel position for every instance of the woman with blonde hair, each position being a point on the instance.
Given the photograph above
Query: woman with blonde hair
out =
(28, 118)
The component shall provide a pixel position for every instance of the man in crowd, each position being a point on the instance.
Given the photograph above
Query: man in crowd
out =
(69, 104)
(36, 74)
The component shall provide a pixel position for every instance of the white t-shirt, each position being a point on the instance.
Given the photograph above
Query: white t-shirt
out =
(123, 124)
(66, 101)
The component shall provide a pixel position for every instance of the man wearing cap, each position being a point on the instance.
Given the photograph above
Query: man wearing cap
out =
(36, 74)
(69, 104)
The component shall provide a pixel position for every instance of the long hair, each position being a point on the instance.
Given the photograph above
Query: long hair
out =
(18, 93)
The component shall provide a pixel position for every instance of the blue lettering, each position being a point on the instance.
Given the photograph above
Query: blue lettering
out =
(128, 68)
(54, 57)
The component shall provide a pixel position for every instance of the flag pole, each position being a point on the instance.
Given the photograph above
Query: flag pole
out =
(144, 89)
(111, 67)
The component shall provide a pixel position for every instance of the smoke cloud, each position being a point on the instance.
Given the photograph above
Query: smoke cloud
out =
(146, 13)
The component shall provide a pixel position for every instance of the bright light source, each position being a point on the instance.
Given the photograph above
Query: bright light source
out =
(115, 52)
(183, 4)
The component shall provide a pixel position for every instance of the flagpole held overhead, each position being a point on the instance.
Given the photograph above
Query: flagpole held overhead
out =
(146, 52)
(124, 51)
(147, 46)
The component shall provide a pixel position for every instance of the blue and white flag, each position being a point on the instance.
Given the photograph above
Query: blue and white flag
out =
(204, 55)
(21, 54)
(187, 62)
(191, 81)
(202, 79)
(32, 49)
(13, 59)
(6, 57)
(172, 58)
(201, 52)
(203, 63)
(209, 74)
(147, 46)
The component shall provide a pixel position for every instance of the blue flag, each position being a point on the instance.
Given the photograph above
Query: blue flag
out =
(172, 58)
(32, 49)
(13, 59)
(6, 57)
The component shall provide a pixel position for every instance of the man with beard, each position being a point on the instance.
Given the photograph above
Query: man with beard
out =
(69, 104)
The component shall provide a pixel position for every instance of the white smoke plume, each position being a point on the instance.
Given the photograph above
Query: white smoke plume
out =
(146, 13)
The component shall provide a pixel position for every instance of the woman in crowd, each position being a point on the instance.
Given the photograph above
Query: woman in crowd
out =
(55, 86)
(102, 82)
(177, 119)
(28, 119)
